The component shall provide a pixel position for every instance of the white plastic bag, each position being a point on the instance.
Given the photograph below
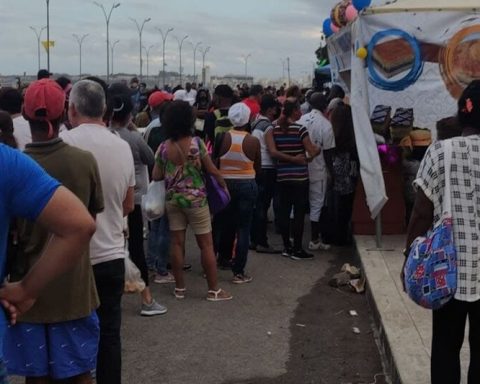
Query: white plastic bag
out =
(153, 203)
(133, 278)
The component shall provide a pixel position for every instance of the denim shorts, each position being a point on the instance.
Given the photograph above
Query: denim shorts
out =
(58, 350)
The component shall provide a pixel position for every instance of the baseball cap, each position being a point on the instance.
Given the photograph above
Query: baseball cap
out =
(239, 114)
(43, 74)
(158, 97)
(44, 100)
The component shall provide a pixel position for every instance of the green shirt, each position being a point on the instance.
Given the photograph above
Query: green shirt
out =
(73, 295)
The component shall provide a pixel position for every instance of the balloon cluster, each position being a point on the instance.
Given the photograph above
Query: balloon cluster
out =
(342, 14)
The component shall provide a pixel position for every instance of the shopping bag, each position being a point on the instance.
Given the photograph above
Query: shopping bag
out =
(153, 203)
(133, 278)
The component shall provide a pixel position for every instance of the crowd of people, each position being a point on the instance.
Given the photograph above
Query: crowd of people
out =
(71, 203)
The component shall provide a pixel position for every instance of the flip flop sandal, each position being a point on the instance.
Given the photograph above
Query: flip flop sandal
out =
(179, 293)
(215, 295)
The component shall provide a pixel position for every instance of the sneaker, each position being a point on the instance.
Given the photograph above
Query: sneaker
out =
(241, 278)
(287, 252)
(316, 245)
(301, 255)
(164, 279)
(153, 309)
(267, 249)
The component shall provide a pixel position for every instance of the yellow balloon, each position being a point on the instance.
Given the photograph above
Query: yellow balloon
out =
(362, 53)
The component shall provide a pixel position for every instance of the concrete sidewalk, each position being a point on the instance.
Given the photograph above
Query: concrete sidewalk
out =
(404, 328)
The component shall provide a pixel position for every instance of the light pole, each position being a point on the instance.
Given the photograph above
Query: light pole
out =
(164, 41)
(48, 35)
(140, 33)
(39, 37)
(180, 45)
(107, 22)
(113, 48)
(195, 47)
(204, 53)
(288, 70)
(147, 50)
(246, 63)
(80, 40)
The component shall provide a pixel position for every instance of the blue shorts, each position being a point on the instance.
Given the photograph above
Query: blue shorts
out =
(59, 350)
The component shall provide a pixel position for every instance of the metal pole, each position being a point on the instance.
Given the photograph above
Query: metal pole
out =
(288, 70)
(378, 230)
(39, 38)
(204, 53)
(148, 56)
(140, 33)
(107, 22)
(246, 64)
(80, 43)
(164, 41)
(113, 48)
(48, 35)
(180, 45)
(195, 47)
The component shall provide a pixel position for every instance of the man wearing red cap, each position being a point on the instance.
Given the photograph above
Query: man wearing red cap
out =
(154, 135)
(59, 335)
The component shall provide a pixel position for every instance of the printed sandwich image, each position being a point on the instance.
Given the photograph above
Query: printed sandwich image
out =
(393, 57)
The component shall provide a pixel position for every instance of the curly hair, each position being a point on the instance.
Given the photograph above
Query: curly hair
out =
(178, 120)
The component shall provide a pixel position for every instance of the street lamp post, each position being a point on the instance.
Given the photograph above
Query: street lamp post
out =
(164, 40)
(180, 45)
(246, 63)
(113, 48)
(147, 50)
(195, 47)
(48, 35)
(80, 40)
(140, 33)
(107, 22)
(204, 53)
(39, 37)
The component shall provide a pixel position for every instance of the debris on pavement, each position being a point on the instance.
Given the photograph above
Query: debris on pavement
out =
(353, 313)
(356, 330)
(301, 325)
(350, 276)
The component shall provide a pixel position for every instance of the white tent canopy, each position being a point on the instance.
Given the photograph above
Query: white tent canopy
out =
(425, 5)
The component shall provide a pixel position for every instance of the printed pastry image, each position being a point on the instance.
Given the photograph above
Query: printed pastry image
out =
(393, 57)
(418, 137)
(401, 125)
(380, 119)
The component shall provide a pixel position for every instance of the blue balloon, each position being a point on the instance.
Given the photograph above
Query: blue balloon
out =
(327, 27)
(360, 5)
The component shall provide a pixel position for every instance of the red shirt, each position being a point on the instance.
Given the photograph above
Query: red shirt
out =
(254, 107)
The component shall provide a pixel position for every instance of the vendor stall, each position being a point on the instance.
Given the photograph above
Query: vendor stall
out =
(405, 64)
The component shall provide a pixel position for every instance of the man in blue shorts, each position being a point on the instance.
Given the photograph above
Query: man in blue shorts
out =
(56, 339)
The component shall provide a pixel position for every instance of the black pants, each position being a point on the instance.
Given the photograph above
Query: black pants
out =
(135, 242)
(343, 208)
(292, 195)
(447, 339)
(110, 281)
(266, 189)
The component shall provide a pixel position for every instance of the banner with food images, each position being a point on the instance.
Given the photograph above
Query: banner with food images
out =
(407, 71)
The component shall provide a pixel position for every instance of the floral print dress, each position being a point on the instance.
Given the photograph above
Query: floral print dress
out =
(184, 183)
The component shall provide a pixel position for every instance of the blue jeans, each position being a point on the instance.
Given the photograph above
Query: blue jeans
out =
(158, 245)
(235, 221)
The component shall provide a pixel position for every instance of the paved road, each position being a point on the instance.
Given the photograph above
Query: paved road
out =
(287, 326)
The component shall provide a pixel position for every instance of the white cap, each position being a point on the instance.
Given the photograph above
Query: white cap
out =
(239, 114)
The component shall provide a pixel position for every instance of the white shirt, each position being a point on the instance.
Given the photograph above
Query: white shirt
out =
(21, 132)
(182, 94)
(117, 173)
(260, 127)
(321, 134)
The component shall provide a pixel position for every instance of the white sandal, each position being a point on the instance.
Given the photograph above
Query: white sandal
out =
(215, 295)
(179, 293)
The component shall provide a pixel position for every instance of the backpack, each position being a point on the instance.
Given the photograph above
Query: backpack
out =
(261, 124)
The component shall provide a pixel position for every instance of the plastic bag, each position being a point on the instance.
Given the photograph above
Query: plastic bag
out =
(133, 278)
(153, 203)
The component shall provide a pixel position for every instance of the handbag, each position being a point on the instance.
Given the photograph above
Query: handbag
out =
(153, 202)
(431, 267)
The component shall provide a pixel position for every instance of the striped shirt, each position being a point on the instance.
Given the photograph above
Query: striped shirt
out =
(235, 164)
(290, 142)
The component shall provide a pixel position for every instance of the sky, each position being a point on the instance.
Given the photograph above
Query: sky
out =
(268, 30)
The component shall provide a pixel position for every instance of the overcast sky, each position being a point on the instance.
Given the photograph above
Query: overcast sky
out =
(269, 30)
